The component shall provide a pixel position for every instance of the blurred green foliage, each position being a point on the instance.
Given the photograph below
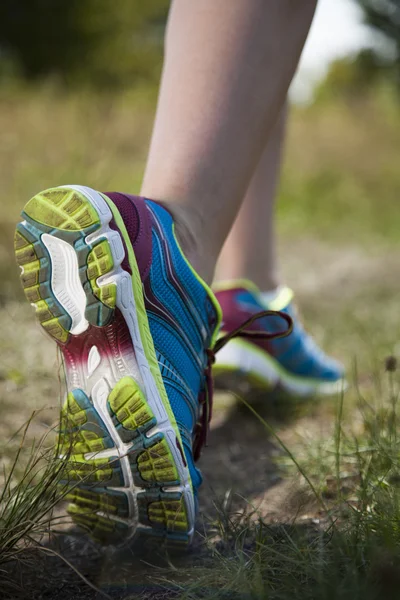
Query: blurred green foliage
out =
(384, 17)
(105, 43)
(99, 42)
(351, 78)
(341, 175)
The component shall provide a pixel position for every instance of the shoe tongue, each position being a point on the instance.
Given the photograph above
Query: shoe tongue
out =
(236, 285)
(282, 299)
(241, 287)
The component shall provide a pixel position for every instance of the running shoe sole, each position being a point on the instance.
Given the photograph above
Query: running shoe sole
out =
(243, 360)
(127, 460)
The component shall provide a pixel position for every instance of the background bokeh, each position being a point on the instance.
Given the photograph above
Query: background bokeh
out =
(78, 89)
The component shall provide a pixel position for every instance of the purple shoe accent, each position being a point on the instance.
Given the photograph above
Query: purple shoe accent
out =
(296, 353)
(112, 341)
(137, 219)
(234, 315)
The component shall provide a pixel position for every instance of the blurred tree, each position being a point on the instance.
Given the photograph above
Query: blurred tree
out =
(104, 42)
(384, 16)
(352, 77)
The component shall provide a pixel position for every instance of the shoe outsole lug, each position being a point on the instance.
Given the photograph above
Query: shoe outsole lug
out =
(62, 208)
(163, 511)
(119, 486)
(101, 527)
(129, 410)
(35, 279)
(100, 262)
(153, 464)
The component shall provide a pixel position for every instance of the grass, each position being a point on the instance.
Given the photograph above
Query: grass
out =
(30, 491)
(352, 551)
(268, 532)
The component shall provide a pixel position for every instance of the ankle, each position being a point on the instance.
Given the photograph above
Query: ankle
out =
(193, 242)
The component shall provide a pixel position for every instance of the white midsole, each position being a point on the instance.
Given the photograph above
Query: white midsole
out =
(65, 281)
(139, 367)
(240, 356)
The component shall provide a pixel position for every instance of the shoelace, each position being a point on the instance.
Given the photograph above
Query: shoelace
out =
(206, 398)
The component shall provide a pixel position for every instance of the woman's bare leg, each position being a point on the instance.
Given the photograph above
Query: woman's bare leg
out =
(228, 66)
(250, 250)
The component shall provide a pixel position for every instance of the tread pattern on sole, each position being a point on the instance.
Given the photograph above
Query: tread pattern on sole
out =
(101, 510)
(35, 280)
(124, 475)
(100, 262)
(129, 410)
(62, 208)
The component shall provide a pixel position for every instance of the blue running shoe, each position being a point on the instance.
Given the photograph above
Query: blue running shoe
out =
(294, 363)
(138, 331)
(134, 324)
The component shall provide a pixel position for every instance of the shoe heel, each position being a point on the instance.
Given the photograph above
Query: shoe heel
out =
(65, 261)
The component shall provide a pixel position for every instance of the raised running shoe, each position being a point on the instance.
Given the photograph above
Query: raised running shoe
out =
(133, 322)
(137, 329)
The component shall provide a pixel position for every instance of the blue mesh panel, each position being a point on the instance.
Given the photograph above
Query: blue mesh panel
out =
(169, 297)
(170, 345)
(194, 473)
(182, 411)
(192, 286)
